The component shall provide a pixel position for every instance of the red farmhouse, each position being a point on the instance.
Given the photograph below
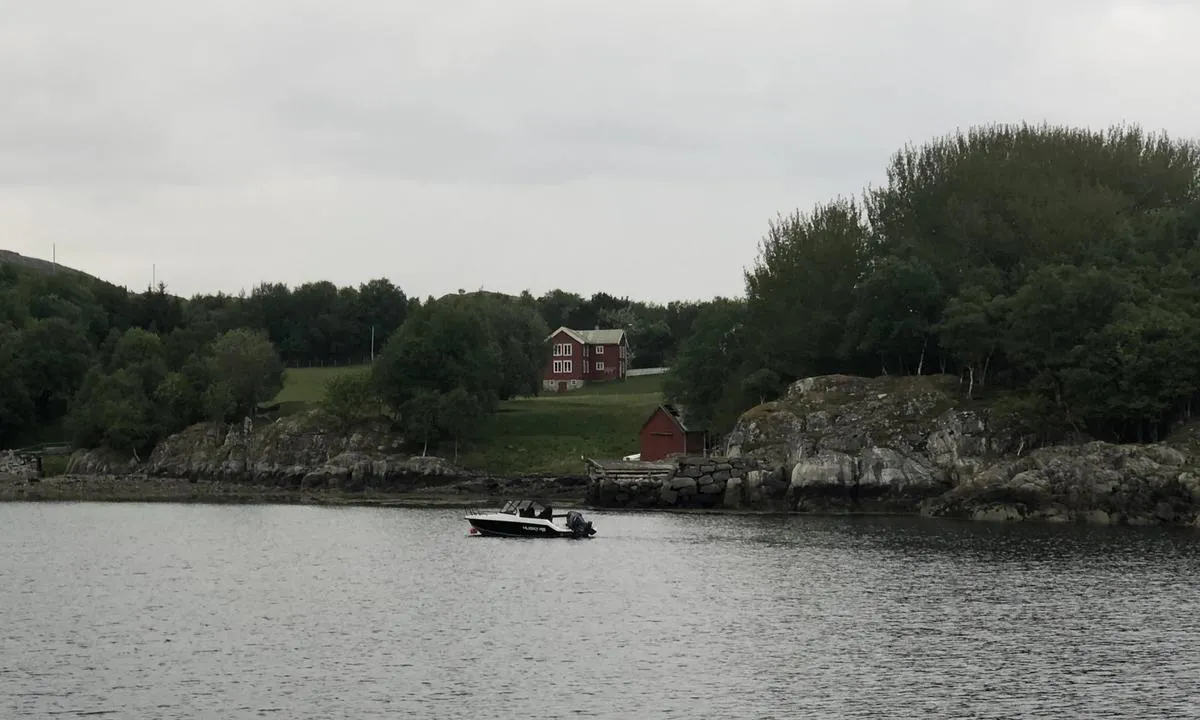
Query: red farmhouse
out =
(666, 433)
(583, 356)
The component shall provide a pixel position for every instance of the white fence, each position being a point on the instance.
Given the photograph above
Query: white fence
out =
(646, 371)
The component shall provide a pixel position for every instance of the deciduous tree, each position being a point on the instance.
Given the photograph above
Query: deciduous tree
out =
(247, 364)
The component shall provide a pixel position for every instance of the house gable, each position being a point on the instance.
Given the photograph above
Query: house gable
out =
(563, 343)
(569, 333)
(670, 412)
(615, 336)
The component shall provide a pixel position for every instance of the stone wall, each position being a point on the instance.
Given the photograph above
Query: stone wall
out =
(14, 466)
(681, 482)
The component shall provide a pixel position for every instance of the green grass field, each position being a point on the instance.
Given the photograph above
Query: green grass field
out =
(304, 387)
(546, 434)
(549, 433)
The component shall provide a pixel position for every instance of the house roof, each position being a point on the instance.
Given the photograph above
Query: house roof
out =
(674, 412)
(592, 337)
(603, 337)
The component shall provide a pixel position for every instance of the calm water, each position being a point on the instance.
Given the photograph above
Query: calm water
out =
(192, 611)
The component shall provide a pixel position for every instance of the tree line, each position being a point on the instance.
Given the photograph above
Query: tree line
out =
(84, 359)
(321, 324)
(1053, 269)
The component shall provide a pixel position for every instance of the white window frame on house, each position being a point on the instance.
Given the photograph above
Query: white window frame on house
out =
(562, 350)
(599, 365)
(562, 366)
(599, 349)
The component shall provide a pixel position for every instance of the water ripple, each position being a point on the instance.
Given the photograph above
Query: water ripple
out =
(162, 611)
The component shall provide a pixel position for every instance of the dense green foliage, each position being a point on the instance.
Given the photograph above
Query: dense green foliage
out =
(1054, 269)
(136, 398)
(456, 358)
(317, 324)
(350, 398)
(86, 361)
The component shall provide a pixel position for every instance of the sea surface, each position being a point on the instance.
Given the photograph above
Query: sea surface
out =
(221, 611)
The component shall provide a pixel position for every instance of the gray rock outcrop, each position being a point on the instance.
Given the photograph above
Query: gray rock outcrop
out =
(17, 467)
(299, 453)
(1095, 482)
(914, 444)
(845, 443)
(838, 444)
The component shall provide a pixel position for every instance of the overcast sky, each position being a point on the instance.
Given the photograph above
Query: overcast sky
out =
(636, 147)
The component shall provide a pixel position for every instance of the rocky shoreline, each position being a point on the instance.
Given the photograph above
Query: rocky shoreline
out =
(837, 445)
(290, 460)
(832, 445)
(142, 488)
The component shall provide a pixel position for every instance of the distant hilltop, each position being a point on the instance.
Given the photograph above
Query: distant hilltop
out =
(37, 264)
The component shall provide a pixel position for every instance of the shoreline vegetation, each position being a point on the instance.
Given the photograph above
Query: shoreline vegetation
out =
(538, 435)
(527, 441)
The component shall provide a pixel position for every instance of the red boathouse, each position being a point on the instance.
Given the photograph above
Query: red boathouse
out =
(666, 432)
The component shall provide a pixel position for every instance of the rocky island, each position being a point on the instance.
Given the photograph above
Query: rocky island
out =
(913, 445)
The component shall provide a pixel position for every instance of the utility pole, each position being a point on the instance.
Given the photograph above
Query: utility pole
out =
(372, 343)
(54, 255)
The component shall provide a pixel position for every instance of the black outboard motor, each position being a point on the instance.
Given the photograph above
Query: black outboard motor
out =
(579, 527)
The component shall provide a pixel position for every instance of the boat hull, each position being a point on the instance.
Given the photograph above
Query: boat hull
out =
(516, 527)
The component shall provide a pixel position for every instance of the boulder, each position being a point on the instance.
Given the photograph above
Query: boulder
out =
(1095, 482)
(839, 443)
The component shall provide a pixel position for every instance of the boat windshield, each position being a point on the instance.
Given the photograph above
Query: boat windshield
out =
(527, 508)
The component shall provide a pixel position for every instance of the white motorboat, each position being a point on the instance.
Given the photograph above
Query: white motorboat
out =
(527, 518)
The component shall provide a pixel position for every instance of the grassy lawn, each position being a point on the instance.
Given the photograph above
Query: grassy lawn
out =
(546, 434)
(304, 387)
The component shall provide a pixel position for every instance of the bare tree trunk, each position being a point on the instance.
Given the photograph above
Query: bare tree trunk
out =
(1070, 418)
(983, 378)
(883, 364)
(971, 382)
(425, 447)
(921, 360)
